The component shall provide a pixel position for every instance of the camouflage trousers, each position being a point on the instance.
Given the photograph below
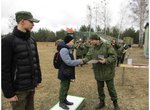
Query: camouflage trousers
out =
(64, 88)
(111, 89)
(25, 100)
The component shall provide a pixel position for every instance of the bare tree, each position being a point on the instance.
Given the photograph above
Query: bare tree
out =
(123, 17)
(12, 22)
(95, 15)
(104, 12)
(139, 15)
(101, 14)
(89, 18)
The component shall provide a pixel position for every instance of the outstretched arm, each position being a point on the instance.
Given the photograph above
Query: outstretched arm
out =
(64, 53)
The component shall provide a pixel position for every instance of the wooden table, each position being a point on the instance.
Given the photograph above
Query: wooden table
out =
(130, 66)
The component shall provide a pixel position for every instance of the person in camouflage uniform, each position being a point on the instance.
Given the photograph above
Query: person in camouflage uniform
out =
(125, 48)
(118, 48)
(79, 49)
(104, 70)
(115, 44)
(86, 45)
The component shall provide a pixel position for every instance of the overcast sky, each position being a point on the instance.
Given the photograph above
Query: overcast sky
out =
(54, 14)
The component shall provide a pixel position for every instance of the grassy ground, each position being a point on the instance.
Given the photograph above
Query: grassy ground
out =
(132, 96)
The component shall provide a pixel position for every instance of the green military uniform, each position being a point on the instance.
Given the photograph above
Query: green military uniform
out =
(118, 48)
(73, 47)
(120, 54)
(64, 90)
(86, 48)
(103, 72)
(79, 50)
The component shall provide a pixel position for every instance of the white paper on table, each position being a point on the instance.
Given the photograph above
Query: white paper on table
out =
(92, 61)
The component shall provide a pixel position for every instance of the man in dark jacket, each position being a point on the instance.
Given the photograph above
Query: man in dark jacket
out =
(20, 64)
(66, 71)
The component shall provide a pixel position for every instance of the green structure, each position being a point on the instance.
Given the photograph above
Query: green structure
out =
(128, 40)
(146, 41)
(85, 35)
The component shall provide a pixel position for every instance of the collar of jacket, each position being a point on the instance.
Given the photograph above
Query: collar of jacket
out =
(62, 45)
(98, 45)
(20, 34)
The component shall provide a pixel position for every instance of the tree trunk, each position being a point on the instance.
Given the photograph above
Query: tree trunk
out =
(141, 24)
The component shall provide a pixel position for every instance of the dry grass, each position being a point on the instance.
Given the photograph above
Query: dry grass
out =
(132, 96)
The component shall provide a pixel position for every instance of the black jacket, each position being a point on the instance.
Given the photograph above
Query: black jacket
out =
(20, 63)
(66, 72)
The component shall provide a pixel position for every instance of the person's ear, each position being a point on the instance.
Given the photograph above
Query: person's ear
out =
(22, 21)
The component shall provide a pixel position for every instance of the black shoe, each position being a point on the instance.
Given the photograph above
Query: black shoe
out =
(67, 102)
(116, 106)
(64, 106)
(100, 105)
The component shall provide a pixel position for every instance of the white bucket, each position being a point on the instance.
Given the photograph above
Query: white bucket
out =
(129, 61)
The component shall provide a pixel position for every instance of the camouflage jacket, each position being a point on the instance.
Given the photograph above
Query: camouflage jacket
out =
(86, 47)
(105, 71)
(80, 49)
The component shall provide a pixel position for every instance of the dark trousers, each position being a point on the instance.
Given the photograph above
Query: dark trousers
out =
(25, 100)
(64, 88)
(122, 58)
(118, 60)
(84, 55)
(111, 89)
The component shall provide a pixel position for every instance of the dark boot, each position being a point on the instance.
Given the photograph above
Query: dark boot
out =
(100, 105)
(116, 106)
(67, 102)
(63, 105)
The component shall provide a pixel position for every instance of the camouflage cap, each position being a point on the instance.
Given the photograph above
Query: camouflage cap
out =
(26, 16)
(94, 37)
(58, 41)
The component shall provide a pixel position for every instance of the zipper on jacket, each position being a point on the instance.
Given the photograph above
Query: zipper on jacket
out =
(30, 56)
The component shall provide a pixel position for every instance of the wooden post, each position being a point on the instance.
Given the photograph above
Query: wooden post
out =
(131, 66)
(123, 76)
